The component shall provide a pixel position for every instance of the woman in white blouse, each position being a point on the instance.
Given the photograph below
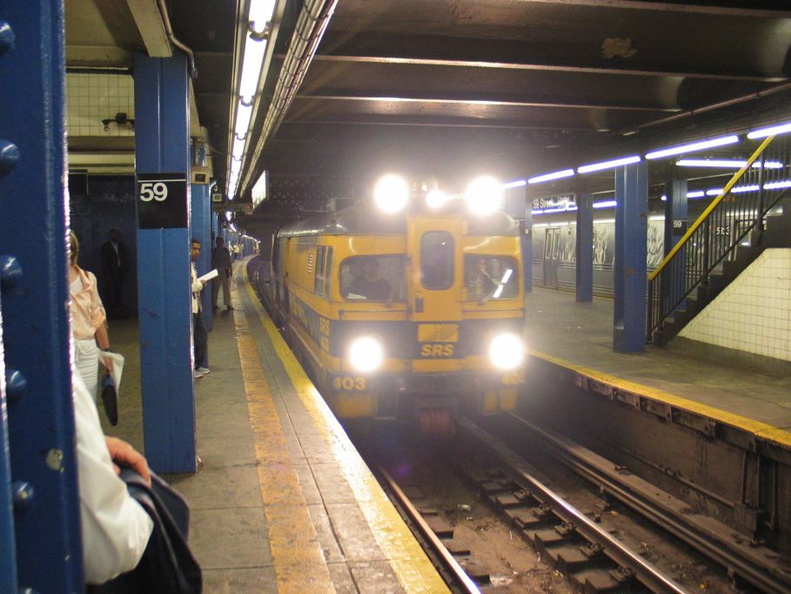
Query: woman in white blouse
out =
(88, 322)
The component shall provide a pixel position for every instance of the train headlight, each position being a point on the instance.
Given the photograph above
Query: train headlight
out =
(484, 195)
(391, 193)
(506, 351)
(366, 354)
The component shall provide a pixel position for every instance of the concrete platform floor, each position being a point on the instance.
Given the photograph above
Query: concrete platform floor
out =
(582, 334)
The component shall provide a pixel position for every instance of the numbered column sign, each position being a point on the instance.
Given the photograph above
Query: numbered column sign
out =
(161, 200)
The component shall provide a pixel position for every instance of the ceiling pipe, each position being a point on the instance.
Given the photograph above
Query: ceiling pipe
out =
(311, 24)
(706, 108)
(163, 11)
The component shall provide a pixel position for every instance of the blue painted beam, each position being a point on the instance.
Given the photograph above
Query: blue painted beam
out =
(36, 330)
(162, 158)
(675, 228)
(519, 207)
(584, 248)
(631, 237)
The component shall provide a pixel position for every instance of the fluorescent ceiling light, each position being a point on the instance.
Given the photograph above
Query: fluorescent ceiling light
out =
(552, 210)
(725, 163)
(254, 52)
(550, 176)
(696, 194)
(778, 185)
(608, 164)
(605, 204)
(260, 14)
(243, 115)
(695, 146)
(739, 189)
(514, 184)
(771, 131)
(238, 149)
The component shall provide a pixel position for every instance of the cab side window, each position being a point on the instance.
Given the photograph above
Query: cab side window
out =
(372, 278)
(490, 277)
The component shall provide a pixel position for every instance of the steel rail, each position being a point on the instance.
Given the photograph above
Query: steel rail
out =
(642, 497)
(646, 573)
(447, 560)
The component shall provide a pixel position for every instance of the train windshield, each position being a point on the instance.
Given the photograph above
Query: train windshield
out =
(490, 277)
(373, 278)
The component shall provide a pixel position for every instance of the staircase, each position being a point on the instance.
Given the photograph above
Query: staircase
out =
(752, 213)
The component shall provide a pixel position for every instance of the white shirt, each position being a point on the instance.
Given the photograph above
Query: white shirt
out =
(115, 528)
(197, 287)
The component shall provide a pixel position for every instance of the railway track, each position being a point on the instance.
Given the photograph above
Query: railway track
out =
(751, 566)
(591, 553)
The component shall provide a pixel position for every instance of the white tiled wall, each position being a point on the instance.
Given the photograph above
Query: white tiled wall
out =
(91, 98)
(753, 313)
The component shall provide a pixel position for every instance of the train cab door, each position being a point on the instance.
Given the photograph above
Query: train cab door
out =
(434, 290)
(551, 257)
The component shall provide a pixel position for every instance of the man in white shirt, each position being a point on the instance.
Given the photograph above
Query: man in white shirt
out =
(115, 528)
(199, 334)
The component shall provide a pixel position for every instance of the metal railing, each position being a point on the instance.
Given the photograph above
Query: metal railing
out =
(714, 237)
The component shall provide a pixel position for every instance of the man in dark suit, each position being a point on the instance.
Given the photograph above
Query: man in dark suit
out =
(115, 266)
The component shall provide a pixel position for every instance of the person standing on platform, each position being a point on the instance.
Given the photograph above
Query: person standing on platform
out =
(88, 322)
(115, 528)
(115, 265)
(237, 252)
(200, 336)
(221, 261)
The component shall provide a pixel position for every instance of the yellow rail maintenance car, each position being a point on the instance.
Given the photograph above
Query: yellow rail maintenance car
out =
(408, 312)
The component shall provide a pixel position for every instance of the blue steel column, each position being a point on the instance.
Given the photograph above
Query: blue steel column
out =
(9, 153)
(631, 236)
(675, 228)
(584, 248)
(163, 255)
(8, 581)
(518, 206)
(36, 331)
(200, 226)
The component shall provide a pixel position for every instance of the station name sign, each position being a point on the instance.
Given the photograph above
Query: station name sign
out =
(162, 200)
(565, 202)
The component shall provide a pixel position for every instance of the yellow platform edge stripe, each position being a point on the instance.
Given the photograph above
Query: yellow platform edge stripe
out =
(405, 555)
(298, 559)
(759, 429)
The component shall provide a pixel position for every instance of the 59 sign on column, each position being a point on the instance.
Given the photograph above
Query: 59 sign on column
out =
(162, 200)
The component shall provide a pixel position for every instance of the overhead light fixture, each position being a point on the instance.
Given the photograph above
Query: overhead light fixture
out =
(550, 176)
(695, 146)
(725, 163)
(608, 164)
(778, 185)
(605, 204)
(260, 190)
(514, 184)
(253, 53)
(243, 115)
(770, 131)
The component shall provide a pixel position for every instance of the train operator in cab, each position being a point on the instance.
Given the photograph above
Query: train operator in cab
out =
(480, 283)
(370, 284)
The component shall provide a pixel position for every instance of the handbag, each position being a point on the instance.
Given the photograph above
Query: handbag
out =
(110, 399)
(167, 565)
